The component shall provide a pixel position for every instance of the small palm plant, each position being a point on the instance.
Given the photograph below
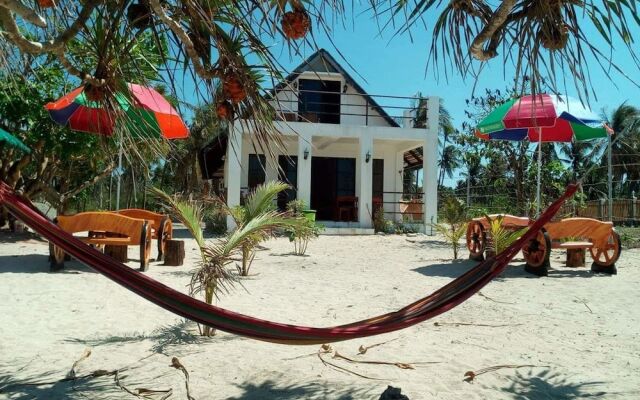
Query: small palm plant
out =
(454, 226)
(191, 213)
(260, 203)
(501, 237)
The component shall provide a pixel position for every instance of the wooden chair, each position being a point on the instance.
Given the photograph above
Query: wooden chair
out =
(105, 228)
(346, 206)
(161, 227)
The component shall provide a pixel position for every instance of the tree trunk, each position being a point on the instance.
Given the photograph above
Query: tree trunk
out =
(118, 253)
(174, 253)
(576, 258)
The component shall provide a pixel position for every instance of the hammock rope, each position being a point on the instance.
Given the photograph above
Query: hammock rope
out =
(440, 301)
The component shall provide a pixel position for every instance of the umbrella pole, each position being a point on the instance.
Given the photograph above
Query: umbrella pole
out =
(539, 170)
(609, 181)
(119, 175)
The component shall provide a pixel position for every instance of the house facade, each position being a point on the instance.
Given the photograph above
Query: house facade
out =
(342, 154)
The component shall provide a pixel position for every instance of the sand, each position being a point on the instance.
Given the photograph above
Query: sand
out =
(579, 332)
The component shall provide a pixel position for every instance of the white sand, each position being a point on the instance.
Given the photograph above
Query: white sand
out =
(582, 332)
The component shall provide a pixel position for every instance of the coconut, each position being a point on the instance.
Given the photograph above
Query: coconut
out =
(224, 110)
(233, 89)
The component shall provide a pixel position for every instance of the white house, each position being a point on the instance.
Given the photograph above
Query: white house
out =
(342, 154)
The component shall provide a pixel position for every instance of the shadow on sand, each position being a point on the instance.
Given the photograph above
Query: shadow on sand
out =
(165, 339)
(37, 263)
(550, 385)
(456, 268)
(275, 389)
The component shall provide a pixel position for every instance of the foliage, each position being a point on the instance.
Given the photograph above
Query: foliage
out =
(215, 220)
(259, 203)
(501, 237)
(453, 234)
(629, 237)
(303, 233)
(453, 226)
(210, 278)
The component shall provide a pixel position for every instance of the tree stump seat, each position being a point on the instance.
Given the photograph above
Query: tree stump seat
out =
(174, 253)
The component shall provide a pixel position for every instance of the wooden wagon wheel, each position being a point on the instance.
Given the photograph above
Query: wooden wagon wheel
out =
(164, 233)
(536, 253)
(607, 256)
(476, 240)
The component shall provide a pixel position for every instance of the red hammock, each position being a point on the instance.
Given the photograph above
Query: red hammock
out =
(440, 301)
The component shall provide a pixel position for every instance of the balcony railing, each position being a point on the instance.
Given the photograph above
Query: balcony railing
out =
(354, 108)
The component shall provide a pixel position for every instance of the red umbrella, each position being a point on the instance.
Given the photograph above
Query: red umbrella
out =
(145, 113)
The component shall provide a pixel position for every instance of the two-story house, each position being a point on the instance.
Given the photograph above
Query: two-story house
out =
(343, 154)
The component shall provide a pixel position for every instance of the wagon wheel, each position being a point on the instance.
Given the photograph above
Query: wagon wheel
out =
(536, 252)
(165, 232)
(607, 256)
(476, 239)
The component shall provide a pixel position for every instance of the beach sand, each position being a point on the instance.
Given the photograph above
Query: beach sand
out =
(579, 332)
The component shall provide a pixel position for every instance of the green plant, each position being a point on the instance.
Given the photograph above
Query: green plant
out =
(215, 220)
(216, 278)
(258, 203)
(303, 233)
(454, 223)
(501, 238)
(452, 233)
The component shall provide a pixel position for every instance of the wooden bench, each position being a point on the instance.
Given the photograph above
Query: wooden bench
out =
(105, 228)
(161, 227)
(575, 235)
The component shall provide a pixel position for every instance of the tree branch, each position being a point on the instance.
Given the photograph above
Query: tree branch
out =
(25, 12)
(495, 22)
(205, 73)
(13, 33)
(88, 183)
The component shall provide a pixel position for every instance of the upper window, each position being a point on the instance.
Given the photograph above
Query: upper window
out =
(319, 101)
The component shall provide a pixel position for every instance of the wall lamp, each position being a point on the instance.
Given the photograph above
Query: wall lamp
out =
(306, 153)
(367, 157)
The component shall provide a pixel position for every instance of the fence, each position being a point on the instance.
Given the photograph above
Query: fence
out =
(624, 212)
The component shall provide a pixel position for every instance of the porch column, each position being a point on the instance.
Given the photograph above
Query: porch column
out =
(399, 187)
(304, 167)
(233, 170)
(430, 164)
(365, 204)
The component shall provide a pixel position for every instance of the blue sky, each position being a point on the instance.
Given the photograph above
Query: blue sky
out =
(397, 66)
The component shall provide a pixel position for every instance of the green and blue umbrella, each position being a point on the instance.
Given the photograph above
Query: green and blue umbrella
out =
(13, 141)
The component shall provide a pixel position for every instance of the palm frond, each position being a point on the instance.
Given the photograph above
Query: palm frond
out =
(189, 212)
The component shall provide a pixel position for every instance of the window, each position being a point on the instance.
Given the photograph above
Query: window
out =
(319, 101)
(288, 173)
(257, 174)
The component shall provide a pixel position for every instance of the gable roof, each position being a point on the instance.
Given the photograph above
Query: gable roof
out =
(322, 61)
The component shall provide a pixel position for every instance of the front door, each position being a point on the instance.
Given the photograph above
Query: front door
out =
(331, 177)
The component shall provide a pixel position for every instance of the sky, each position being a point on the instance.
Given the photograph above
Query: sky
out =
(397, 66)
(390, 65)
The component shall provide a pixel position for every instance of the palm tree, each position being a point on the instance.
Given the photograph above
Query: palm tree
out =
(449, 162)
(625, 122)
(259, 203)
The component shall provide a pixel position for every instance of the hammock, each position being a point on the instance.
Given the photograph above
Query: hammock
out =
(440, 301)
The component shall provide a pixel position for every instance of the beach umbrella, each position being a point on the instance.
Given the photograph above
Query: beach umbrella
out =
(139, 110)
(13, 141)
(542, 118)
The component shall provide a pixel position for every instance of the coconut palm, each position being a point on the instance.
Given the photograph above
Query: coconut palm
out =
(625, 122)
(260, 202)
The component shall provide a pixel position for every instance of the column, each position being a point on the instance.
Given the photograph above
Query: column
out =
(233, 170)
(365, 168)
(399, 187)
(304, 167)
(430, 164)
